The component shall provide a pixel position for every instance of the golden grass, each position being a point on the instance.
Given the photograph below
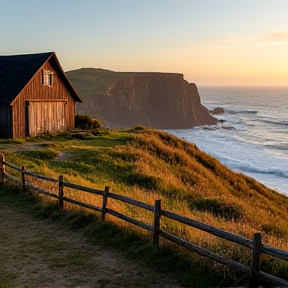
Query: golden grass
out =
(147, 165)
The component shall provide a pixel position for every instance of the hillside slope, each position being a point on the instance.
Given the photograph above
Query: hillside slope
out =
(127, 99)
(146, 165)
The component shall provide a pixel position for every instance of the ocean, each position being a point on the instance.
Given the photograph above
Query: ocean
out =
(253, 138)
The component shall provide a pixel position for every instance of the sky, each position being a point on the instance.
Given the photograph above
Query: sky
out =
(211, 42)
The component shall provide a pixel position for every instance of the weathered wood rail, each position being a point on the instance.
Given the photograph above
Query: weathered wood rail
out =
(255, 244)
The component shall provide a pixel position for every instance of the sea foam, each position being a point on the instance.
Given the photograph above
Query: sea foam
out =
(258, 143)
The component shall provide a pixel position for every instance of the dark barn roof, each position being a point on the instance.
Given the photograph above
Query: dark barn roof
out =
(17, 70)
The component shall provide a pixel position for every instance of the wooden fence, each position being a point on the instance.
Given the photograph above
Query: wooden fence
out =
(255, 244)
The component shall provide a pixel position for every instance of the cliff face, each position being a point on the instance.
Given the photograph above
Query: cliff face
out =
(157, 100)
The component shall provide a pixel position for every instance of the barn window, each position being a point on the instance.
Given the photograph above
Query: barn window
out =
(47, 77)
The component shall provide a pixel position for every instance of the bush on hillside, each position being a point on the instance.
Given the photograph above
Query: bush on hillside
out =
(219, 208)
(139, 128)
(83, 136)
(86, 122)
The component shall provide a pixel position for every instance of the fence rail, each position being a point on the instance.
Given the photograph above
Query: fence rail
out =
(255, 244)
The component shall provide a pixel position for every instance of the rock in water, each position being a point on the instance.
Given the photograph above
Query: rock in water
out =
(218, 111)
(156, 100)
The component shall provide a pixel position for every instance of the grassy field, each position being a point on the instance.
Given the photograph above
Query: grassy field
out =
(148, 164)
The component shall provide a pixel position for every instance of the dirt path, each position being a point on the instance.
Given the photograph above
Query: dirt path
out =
(38, 253)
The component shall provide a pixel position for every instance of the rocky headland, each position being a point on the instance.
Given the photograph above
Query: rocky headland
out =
(156, 100)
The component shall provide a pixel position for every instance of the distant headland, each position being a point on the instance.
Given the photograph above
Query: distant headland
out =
(152, 99)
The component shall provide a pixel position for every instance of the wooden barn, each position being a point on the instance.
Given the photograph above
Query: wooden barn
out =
(35, 96)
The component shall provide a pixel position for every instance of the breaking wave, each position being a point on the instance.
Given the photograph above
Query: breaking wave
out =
(258, 146)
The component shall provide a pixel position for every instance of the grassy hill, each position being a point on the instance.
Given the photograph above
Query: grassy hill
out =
(96, 81)
(148, 164)
(93, 82)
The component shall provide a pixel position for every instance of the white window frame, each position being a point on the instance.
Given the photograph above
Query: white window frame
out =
(47, 77)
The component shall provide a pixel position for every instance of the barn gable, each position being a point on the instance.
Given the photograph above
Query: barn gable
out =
(35, 96)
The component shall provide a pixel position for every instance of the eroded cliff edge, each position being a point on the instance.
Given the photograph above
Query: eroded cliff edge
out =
(156, 100)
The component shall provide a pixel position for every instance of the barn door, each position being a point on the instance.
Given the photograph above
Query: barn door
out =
(45, 117)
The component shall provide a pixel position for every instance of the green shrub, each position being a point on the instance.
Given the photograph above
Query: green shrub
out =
(219, 208)
(85, 122)
(83, 136)
(139, 128)
(144, 181)
(207, 161)
(272, 230)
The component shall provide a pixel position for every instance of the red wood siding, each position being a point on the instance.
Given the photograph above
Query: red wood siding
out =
(36, 91)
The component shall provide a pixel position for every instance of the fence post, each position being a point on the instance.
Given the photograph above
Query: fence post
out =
(2, 168)
(23, 178)
(61, 193)
(105, 197)
(156, 224)
(255, 264)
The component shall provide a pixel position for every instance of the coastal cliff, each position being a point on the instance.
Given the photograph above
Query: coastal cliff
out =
(156, 100)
